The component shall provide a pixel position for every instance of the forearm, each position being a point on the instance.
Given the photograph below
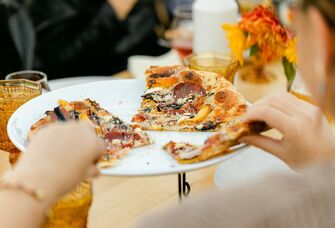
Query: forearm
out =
(18, 209)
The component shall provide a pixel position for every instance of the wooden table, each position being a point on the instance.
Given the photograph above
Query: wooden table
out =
(119, 200)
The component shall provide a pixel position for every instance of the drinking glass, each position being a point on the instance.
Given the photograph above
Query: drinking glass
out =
(180, 34)
(219, 63)
(71, 211)
(32, 75)
(13, 94)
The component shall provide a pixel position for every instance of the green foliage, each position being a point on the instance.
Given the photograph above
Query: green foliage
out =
(290, 72)
(254, 50)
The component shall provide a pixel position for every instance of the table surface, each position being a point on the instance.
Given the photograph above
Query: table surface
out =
(120, 201)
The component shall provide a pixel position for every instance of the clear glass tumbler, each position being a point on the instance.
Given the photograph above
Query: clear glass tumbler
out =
(219, 63)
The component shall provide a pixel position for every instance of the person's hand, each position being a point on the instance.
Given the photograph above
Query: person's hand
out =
(58, 158)
(307, 137)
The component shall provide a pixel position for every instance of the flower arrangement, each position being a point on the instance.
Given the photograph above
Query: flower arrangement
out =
(261, 32)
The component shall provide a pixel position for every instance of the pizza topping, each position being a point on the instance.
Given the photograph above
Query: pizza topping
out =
(116, 141)
(189, 152)
(78, 106)
(152, 90)
(162, 82)
(191, 76)
(138, 130)
(162, 98)
(162, 74)
(209, 94)
(51, 116)
(227, 99)
(182, 150)
(61, 113)
(158, 96)
(126, 139)
(186, 89)
(206, 126)
(157, 127)
(201, 115)
(138, 118)
(168, 106)
(221, 96)
(147, 109)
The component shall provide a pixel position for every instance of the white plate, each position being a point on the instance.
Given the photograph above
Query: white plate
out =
(66, 82)
(121, 97)
(138, 64)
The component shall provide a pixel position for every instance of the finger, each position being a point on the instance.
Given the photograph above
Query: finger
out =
(282, 102)
(97, 148)
(87, 125)
(100, 149)
(270, 145)
(100, 146)
(271, 116)
(93, 171)
(302, 104)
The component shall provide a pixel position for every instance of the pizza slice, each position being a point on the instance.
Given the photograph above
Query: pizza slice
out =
(119, 136)
(180, 99)
(216, 145)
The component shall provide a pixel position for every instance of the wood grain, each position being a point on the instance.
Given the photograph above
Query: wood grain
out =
(120, 201)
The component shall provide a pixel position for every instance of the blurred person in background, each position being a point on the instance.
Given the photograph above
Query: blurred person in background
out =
(84, 37)
(75, 38)
(172, 4)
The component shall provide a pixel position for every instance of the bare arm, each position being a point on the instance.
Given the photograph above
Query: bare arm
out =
(17, 204)
(57, 159)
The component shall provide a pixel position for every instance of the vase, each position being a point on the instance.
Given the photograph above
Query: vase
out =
(256, 71)
(262, 81)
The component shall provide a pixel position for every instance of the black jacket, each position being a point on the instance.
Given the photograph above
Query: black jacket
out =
(73, 37)
(84, 37)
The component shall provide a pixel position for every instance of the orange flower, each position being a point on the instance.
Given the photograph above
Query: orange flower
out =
(291, 51)
(260, 28)
(264, 30)
(237, 41)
